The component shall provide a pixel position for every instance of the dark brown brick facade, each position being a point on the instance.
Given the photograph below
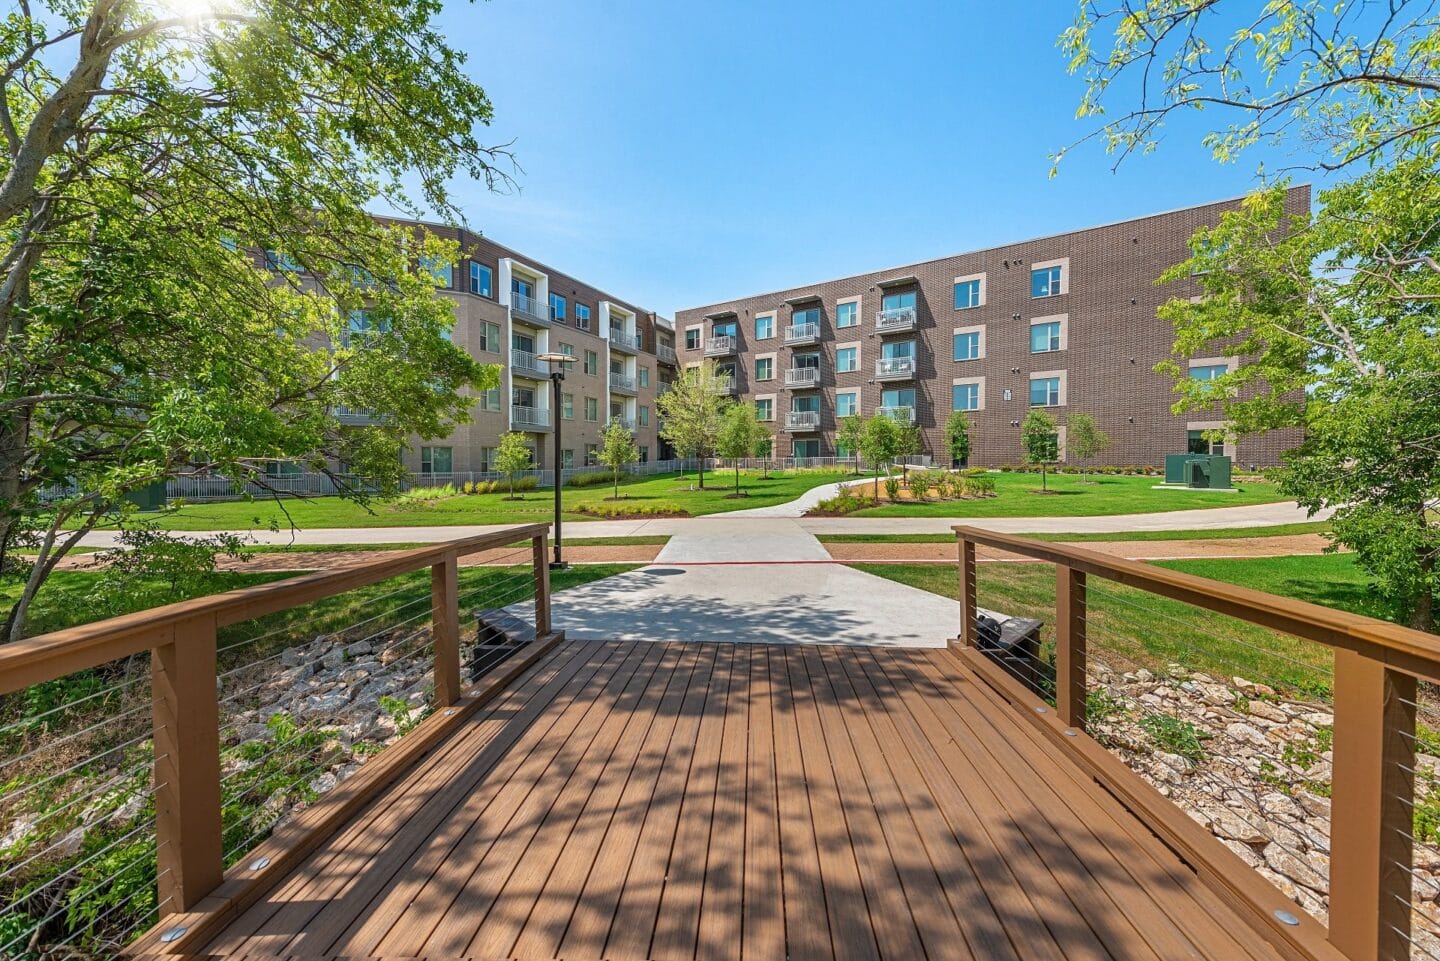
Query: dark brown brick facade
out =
(1113, 339)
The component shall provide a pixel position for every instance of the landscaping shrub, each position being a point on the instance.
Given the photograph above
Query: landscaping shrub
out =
(427, 493)
(621, 511)
(498, 486)
(976, 486)
(921, 483)
(892, 488)
(844, 502)
(593, 479)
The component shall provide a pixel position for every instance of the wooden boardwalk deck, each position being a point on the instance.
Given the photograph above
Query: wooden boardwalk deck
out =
(633, 800)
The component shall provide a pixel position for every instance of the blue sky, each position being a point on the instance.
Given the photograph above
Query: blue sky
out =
(679, 153)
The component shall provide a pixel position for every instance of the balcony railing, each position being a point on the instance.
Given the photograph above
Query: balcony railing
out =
(895, 368)
(527, 363)
(802, 420)
(902, 415)
(625, 422)
(802, 334)
(728, 385)
(666, 354)
(626, 342)
(802, 377)
(720, 346)
(529, 417)
(622, 383)
(895, 320)
(352, 417)
(530, 310)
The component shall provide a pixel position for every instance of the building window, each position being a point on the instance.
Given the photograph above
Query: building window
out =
(487, 459)
(443, 273)
(898, 301)
(567, 458)
(644, 416)
(435, 460)
(847, 314)
(490, 399)
(967, 345)
(1045, 282)
(567, 406)
(967, 294)
(1045, 337)
(567, 349)
(847, 405)
(764, 408)
(847, 359)
(764, 326)
(810, 315)
(692, 339)
(807, 448)
(966, 397)
(279, 260)
(590, 455)
(482, 280)
(557, 308)
(592, 408)
(1045, 392)
(592, 363)
(644, 376)
(765, 368)
(582, 317)
(1209, 371)
(644, 453)
(1196, 443)
(490, 338)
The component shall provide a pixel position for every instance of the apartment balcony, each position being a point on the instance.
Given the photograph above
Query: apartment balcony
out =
(620, 384)
(895, 368)
(666, 354)
(802, 420)
(663, 387)
(721, 346)
(728, 385)
(625, 422)
(529, 418)
(526, 364)
(802, 378)
(352, 417)
(799, 335)
(529, 310)
(897, 320)
(629, 343)
(901, 415)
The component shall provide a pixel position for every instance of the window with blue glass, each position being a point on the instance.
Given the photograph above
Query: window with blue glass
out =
(1045, 282)
(847, 405)
(847, 315)
(967, 294)
(1044, 337)
(899, 301)
(966, 397)
(967, 345)
(482, 280)
(441, 271)
(582, 317)
(1209, 371)
(847, 359)
(764, 326)
(811, 315)
(1045, 392)
(557, 308)
(279, 260)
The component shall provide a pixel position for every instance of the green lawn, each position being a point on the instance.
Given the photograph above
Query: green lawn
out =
(1017, 495)
(1276, 530)
(638, 540)
(1129, 628)
(664, 490)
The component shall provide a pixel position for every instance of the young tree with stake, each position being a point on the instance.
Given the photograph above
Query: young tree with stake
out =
(880, 443)
(692, 410)
(1040, 437)
(617, 451)
(1084, 437)
(741, 435)
(957, 435)
(512, 457)
(850, 436)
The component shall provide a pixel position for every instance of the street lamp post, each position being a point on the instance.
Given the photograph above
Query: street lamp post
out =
(557, 364)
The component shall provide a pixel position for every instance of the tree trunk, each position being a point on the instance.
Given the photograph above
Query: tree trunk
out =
(737, 475)
(1422, 615)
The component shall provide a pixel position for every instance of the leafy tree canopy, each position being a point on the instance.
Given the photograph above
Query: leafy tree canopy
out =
(693, 410)
(617, 451)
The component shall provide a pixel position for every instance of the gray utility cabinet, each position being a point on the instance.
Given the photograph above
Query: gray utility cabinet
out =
(1201, 471)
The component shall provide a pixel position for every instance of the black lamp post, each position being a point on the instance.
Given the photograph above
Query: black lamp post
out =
(557, 364)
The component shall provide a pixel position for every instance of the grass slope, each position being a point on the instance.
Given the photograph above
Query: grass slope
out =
(1219, 533)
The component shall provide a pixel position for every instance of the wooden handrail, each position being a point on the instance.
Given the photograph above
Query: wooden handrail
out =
(1400, 648)
(182, 639)
(46, 657)
(1376, 668)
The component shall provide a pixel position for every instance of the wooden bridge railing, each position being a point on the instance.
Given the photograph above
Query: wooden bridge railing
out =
(1377, 668)
(182, 641)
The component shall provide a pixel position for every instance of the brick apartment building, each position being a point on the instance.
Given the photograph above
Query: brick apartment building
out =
(1067, 323)
(508, 310)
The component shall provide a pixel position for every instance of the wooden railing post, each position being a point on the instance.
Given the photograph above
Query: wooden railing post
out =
(445, 621)
(1373, 792)
(969, 605)
(541, 543)
(1070, 645)
(186, 717)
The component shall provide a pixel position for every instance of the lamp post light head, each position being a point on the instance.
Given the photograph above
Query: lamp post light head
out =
(556, 358)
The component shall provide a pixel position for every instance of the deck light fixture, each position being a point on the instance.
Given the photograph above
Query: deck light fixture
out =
(557, 364)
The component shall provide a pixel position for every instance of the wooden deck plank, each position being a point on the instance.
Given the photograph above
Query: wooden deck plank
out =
(348, 858)
(659, 775)
(678, 922)
(467, 884)
(630, 801)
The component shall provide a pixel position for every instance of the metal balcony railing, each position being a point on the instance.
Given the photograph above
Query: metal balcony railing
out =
(666, 354)
(802, 377)
(720, 346)
(628, 342)
(895, 368)
(530, 309)
(625, 422)
(802, 334)
(895, 320)
(728, 385)
(621, 382)
(529, 417)
(526, 362)
(903, 415)
(802, 420)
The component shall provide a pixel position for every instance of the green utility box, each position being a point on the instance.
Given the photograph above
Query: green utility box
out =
(1200, 471)
(151, 497)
